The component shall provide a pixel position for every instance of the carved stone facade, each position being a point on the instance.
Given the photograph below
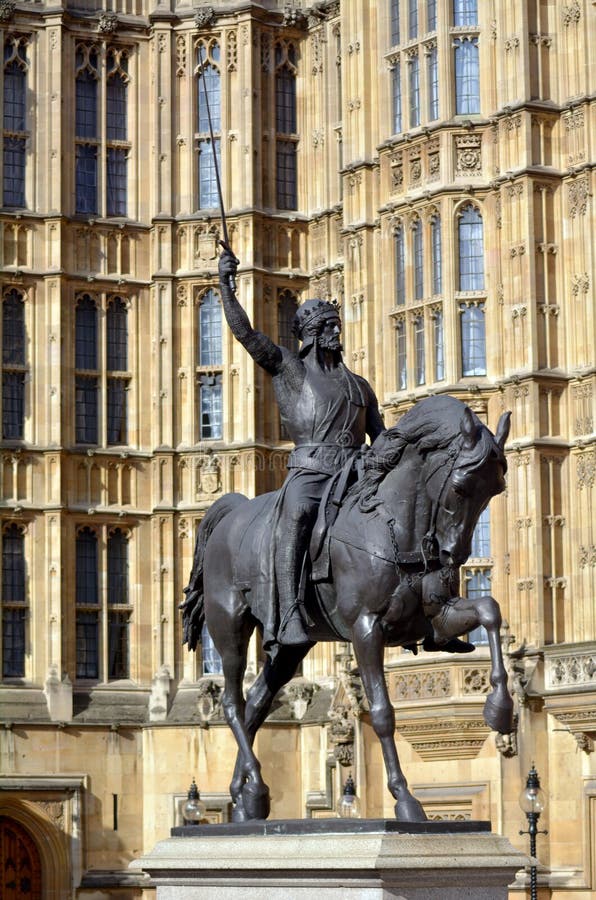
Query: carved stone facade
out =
(523, 167)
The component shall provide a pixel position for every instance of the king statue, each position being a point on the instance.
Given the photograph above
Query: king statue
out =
(327, 412)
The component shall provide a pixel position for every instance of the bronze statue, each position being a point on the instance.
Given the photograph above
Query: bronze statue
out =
(382, 564)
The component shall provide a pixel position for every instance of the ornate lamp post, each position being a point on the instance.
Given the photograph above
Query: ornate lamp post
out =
(532, 801)
(194, 809)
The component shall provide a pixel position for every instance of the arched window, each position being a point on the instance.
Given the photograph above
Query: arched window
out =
(14, 121)
(210, 330)
(86, 360)
(286, 126)
(402, 361)
(418, 259)
(116, 131)
(439, 344)
(467, 77)
(473, 339)
(396, 97)
(14, 600)
(13, 365)
(471, 250)
(419, 347)
(400, 267)
(86, 129)
(87, 604)
(414, 87)
(208, 104)
(117, 362)
(118, 597)
(433, 83)
(436, 255)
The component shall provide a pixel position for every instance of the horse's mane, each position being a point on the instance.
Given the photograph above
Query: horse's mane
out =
(431, 424)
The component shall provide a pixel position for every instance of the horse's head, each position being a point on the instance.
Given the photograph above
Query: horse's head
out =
(461, 486)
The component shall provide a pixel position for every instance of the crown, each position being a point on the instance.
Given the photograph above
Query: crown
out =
(311, 310)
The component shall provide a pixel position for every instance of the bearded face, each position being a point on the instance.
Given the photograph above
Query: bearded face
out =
(329, 333)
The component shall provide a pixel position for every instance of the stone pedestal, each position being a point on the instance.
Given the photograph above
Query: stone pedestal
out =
(334, 859)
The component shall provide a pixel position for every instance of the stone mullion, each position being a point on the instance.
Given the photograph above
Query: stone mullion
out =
(451, 314)
(50, 371)
(59, 602)
(161, 101)
(186, 119)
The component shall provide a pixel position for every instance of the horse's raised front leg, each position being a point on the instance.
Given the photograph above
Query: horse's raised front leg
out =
(369, 647)
(463, 614)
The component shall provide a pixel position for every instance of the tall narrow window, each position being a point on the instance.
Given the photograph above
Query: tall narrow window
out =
(117, 132)
(286, 311)
(14, 368)
(473, 339)
(436, 255)
(467, 77)
(420, 349)
(87, 604)
(286, 126)
(402, 361)
(431, 15)
(412, 19)
(400, 268)
(86, 130)
(414, 85)
(471, 250)
(208, 82)
(433, 84)
(14, 602)
(477, 573)
(86, 371)
(212, 664)
(418, 260)
(118, 605)
(14, 122)
(209, 362)
(438, 344)
(396, 97)
(117, 376)
(395, 39)
(465, 12)
(210, 405)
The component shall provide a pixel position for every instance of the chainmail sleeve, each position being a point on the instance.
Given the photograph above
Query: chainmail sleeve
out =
(262, 349)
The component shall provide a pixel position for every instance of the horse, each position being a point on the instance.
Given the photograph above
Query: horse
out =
(394, 551)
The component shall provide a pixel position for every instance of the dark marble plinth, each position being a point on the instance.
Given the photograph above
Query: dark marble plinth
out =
(329, 826)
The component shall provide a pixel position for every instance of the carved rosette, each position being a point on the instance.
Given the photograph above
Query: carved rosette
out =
(468, 154)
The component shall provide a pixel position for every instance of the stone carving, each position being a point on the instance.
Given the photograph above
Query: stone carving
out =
(204, 18)
(210, 476)
(293, 18)
(108, 23)
(571, 14)
(586, 469)
(7, 8)
(180, 55)
(209, 697)
(580, 284)
(564, 671)
(54, 810)
(578, 192)
(232, 51)
(426, 685)
(468, 160)
(587, 556)
(300, 694)
(476, 681)
(506, 744)
(340, 732)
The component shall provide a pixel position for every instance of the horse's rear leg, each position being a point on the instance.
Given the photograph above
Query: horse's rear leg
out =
(369, 647)
(231, 633)
(272, 677)
(463, 614)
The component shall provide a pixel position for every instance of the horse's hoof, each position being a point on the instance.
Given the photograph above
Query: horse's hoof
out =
(499, 716)
(238, 811)
(256, 800)
(410, 810)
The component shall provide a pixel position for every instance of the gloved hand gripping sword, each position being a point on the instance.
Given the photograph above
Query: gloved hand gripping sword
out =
(224, 227)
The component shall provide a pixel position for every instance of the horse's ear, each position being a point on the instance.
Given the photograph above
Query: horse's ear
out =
(503, 429)
(468, 429)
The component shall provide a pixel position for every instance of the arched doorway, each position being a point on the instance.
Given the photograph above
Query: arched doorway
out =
(20, 863)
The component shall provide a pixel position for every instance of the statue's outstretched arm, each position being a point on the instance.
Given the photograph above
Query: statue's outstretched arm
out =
(262, 349)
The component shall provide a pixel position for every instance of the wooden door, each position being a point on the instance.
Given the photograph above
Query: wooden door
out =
(20, 863)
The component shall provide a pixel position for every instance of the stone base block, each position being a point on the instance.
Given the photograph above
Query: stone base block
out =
(433, 864)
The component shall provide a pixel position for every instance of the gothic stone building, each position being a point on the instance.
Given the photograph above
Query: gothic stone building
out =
(431, 166)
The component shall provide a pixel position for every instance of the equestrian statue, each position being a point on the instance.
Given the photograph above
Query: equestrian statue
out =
(362, 543)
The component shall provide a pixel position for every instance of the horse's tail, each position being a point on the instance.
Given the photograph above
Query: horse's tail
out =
(193, 607)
